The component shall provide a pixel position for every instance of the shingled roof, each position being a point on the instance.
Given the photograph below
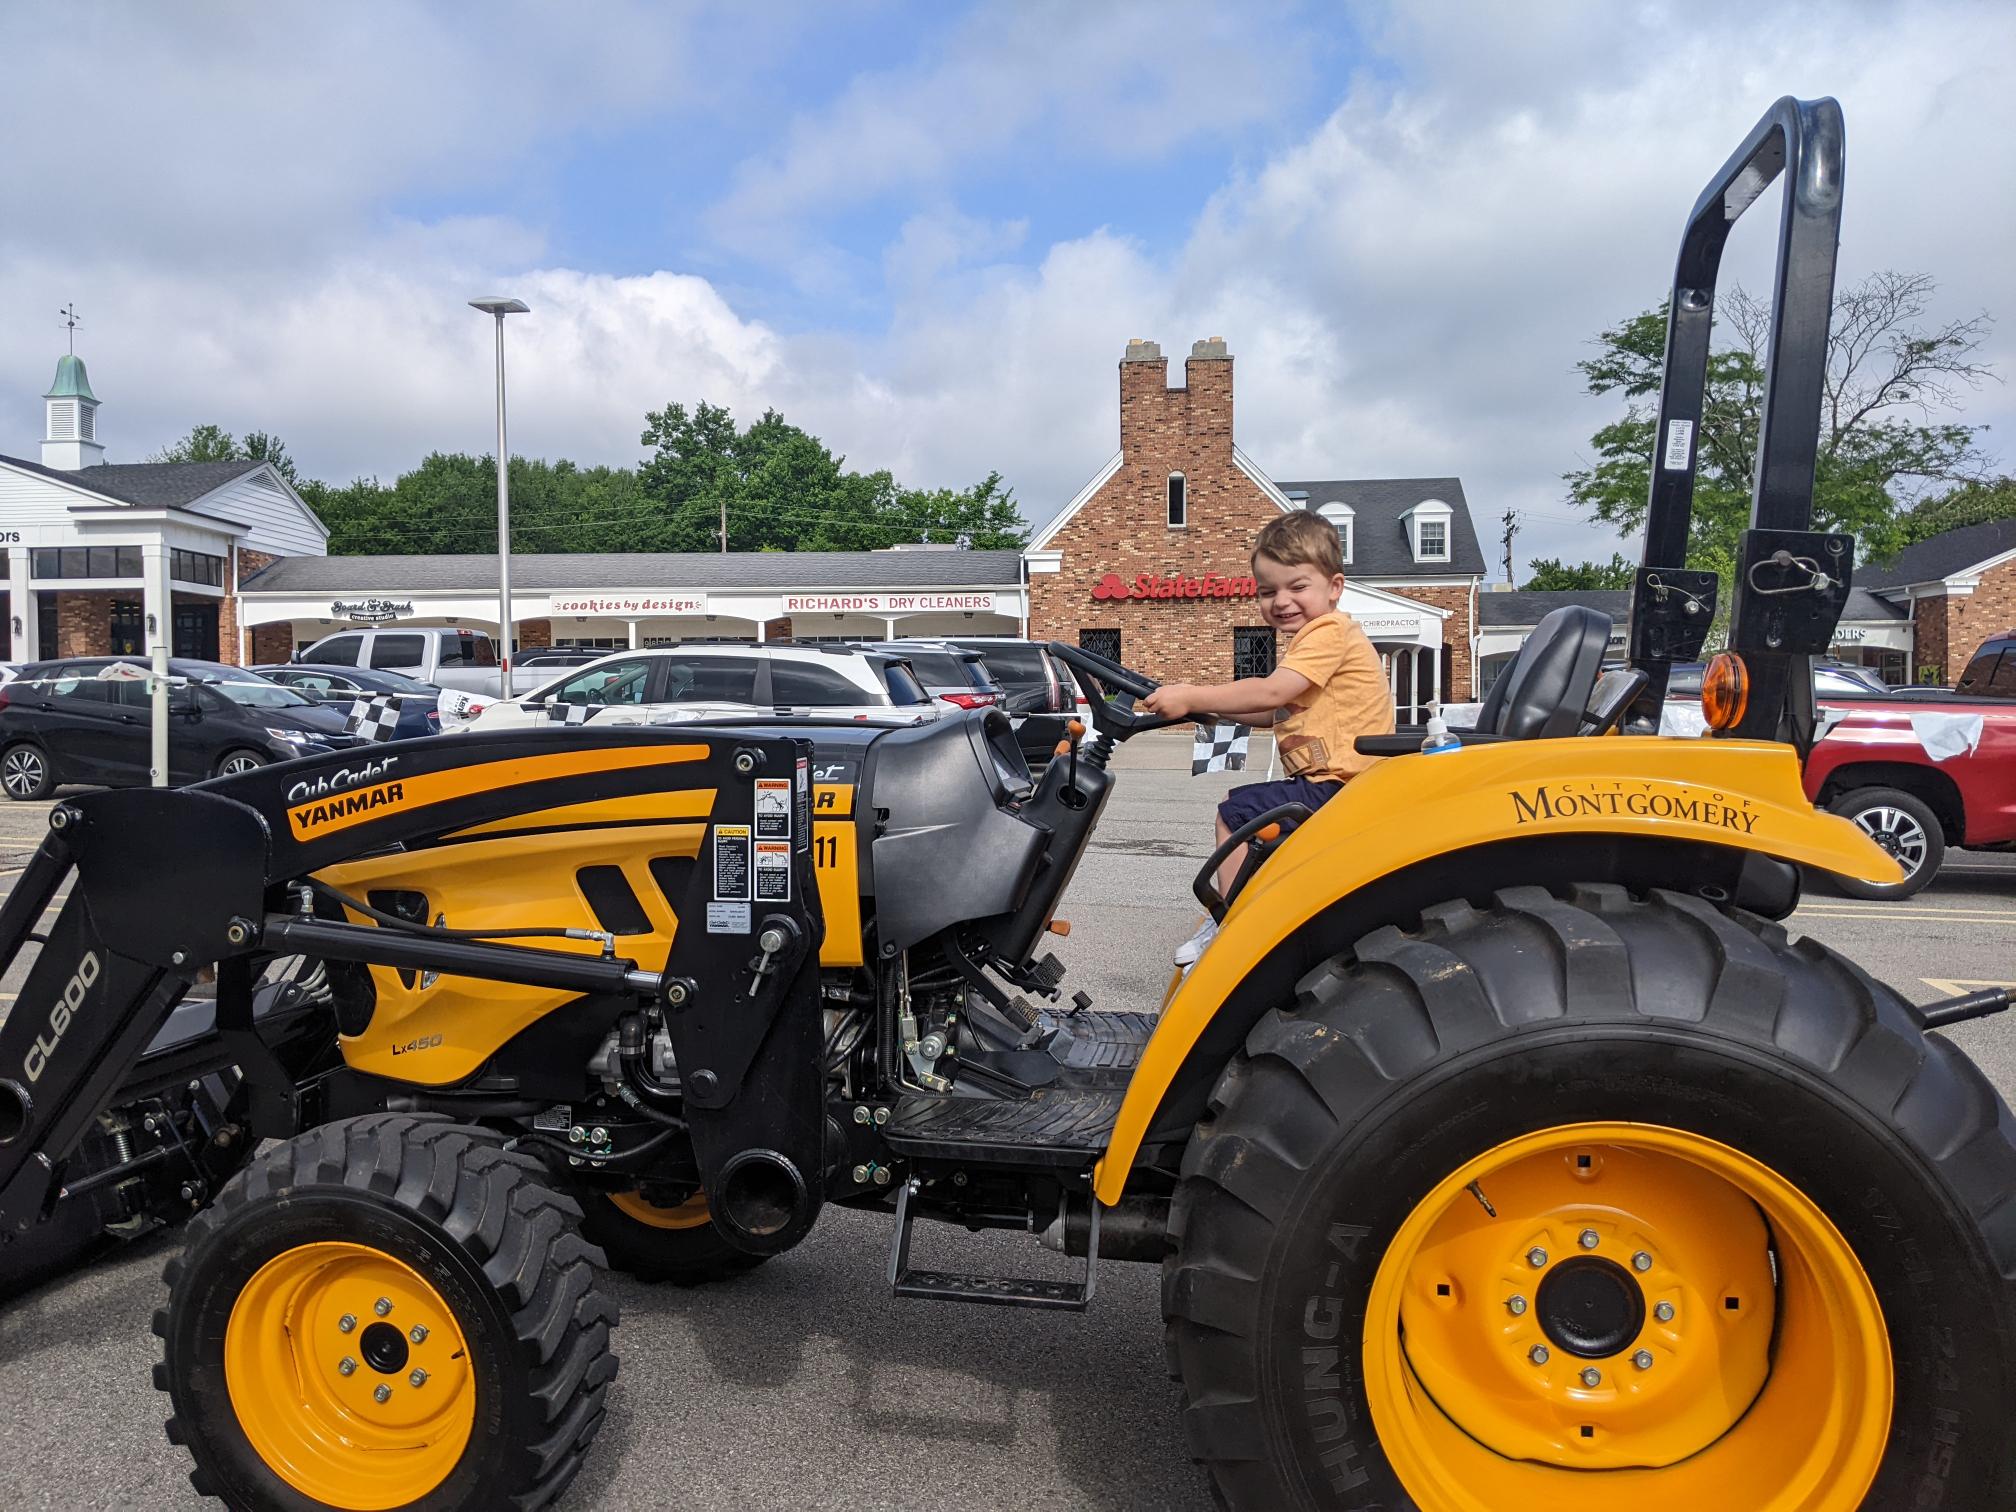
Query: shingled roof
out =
(152, 485)
(591, 570)
(1379, 546)
(1945, 555)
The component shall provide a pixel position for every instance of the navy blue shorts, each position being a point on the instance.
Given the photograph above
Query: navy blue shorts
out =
(1244, 804)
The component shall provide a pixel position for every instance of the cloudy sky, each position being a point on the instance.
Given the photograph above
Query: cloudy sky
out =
(925, 232)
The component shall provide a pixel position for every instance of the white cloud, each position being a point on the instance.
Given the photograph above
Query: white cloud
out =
(1407, 287)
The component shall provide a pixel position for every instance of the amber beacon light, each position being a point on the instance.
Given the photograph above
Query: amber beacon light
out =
(1725, 691)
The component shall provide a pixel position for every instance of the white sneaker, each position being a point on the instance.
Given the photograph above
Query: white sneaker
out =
(1188, 953)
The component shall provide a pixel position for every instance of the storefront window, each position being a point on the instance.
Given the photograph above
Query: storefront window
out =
(1252, 651)
(1104, 643)
(196, 567)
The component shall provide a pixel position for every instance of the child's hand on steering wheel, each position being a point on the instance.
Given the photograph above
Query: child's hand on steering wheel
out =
(1170, 701)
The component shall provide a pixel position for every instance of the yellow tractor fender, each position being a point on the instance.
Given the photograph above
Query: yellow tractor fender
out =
(1411, 809)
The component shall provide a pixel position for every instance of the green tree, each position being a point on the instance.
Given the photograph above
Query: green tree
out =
(1891, 377)
(1549, 575)
(1969, 504)
(213, 443)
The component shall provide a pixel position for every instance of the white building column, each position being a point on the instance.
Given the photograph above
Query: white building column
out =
(21, 607)
(634, 632)
(157, 608)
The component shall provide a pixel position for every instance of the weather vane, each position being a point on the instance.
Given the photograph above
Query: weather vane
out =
(71, 322)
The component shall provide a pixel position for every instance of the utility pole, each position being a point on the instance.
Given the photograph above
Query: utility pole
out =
(499, 307)
(1510, 520)
(724, 524)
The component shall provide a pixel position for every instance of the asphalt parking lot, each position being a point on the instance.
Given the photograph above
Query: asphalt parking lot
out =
(803, 1384)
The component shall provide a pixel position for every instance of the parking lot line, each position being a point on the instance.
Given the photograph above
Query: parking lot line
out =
(1963, 915)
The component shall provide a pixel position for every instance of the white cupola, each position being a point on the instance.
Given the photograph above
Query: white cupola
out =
(70, 422)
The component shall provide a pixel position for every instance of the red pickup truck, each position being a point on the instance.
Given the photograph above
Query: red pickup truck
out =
(1920, 770)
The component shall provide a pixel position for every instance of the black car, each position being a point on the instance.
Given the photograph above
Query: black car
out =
(1033, 683)
(339, 688)
(61, 722)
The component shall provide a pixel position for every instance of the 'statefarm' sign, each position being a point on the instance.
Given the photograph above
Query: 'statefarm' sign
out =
(1150, 585)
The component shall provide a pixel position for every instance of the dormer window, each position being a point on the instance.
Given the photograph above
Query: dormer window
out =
(1428, 530)
(1341, 516)
(1179, 502)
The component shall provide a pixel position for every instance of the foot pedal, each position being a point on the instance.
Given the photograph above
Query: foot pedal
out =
(1000, 1291)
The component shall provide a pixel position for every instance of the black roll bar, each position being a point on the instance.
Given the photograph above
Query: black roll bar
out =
(1802, 142)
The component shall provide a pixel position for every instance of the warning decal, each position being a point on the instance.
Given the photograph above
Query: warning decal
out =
(1679, 445)
(773, 808)
(731, 862)
(773, 871)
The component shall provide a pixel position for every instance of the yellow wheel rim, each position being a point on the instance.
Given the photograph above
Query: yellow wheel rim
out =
(1613, 1335)
(313, 1340)
(692, 1213)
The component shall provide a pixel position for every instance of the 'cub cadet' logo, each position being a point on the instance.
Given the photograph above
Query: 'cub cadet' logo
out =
(1583, 800)
(342, 810)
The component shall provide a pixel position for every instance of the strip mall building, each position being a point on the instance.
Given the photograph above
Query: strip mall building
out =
(1147, 564)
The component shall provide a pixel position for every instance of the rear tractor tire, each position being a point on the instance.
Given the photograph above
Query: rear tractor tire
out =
(654, 1241)
(1597, 1200)
(390, 1311)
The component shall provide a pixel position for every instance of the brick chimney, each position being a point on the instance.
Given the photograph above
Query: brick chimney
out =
(1197, 418)
(1208, 378)
(1145, 400)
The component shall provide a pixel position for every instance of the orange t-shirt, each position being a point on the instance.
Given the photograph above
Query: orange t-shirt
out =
(1347, 697)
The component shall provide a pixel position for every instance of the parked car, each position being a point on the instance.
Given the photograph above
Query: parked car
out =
(1830, 680)
(729, 681)
(61, 722)
(339, 688)
(1030, 681)
(955, 677)
(534, 669)
(1919, 775)
(465, 660)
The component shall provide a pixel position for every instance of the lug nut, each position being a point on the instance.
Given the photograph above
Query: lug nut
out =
(881, 1175)
(418, 1335)
(1538, 1354)
(345, 1323)
(1536, 1257)
(1592, 1377)
(1663, 1312)
(346, 1366)
(1642, 1359)
(881, 1117)
(1641, 1262)
(1516, 1306)
(1590, 1238)
(862, 1115)
(382, 1395)
(576, 1134)
(598, 1135)
(861, 1174)
(418, 1378)
(382, 1306)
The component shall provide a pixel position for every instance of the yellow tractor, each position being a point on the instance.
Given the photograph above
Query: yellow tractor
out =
(1503, 1153)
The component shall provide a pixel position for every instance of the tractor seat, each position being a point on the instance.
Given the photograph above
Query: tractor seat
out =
(1544, 693)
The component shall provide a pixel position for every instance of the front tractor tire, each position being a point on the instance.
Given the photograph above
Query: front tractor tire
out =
(1597, 1200)
(674, 1242)
(391, 1311)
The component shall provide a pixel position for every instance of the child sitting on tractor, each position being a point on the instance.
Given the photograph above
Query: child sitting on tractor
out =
(1327, 691)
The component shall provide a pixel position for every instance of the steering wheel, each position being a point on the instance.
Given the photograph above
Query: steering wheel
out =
(1110, 691)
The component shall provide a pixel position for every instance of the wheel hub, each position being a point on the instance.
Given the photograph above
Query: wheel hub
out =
(1590, 1306)
(384, 1349)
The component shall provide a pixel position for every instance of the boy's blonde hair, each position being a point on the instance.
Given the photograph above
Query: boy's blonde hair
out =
(1301, 536)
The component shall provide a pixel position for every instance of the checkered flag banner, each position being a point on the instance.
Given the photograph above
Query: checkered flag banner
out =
(375, 717)
(567, 713)
(1219, 748)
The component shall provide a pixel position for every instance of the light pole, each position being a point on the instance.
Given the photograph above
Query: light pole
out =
(499, 307)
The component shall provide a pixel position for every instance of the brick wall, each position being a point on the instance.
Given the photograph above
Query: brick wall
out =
(535, 634)
(230, 643)
(272, 643)
(1947, 631)
(1123, 528)
(777, 629)
(84, 623)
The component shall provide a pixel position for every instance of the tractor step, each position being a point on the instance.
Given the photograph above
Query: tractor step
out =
(1105, 1041)
(1053, 1126)
(996, 1291)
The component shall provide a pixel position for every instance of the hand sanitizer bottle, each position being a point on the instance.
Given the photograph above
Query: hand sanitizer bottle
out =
(1439, 739)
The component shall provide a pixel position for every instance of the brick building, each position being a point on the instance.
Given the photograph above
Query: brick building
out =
(1149, 563)
(1955, 590)
(109, 557)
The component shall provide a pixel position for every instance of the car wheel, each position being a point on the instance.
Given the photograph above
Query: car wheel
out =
(236, 763)
(25, 774)
(1905, 827)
